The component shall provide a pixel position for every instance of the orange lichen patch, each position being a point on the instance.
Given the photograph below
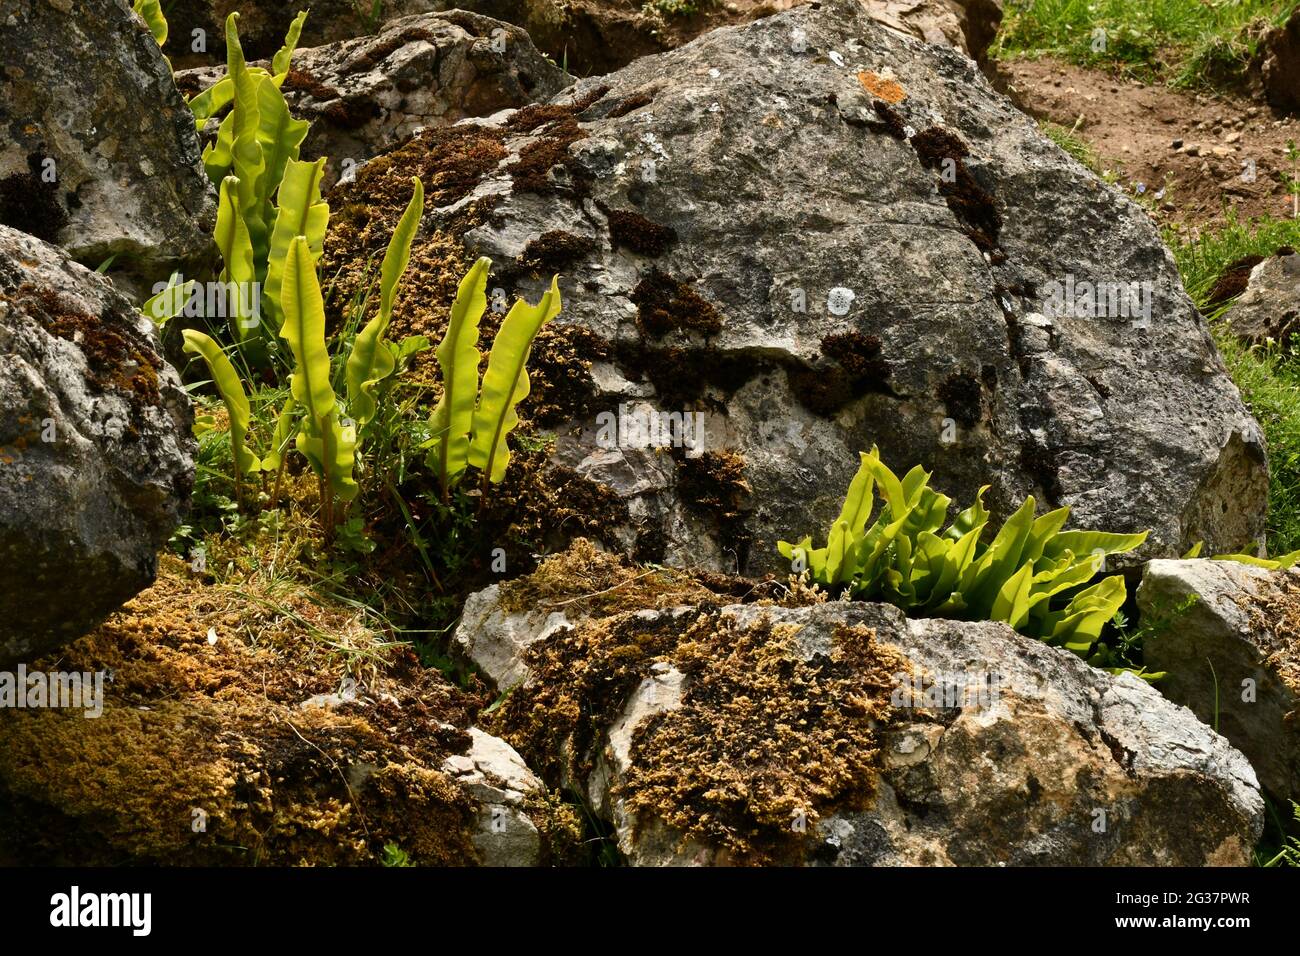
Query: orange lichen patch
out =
(203, 713)
(882, 87)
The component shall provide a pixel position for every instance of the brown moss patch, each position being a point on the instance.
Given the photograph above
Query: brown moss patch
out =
(962, 397)
(884, 88)
(117, 356)
(762, 736)
(630, 103)
(559, 370)
(299, 81)
(972, 204)
(890, 120)
(216, 725)
(1233, 280)
(859, 369)
(31, 205)
(682, 375)
(665, 304)
(352, 113)
(713, 484)
(633, 231)
(555, 251)
(1274, 611)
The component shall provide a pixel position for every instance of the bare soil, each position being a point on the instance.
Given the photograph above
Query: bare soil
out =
(1198, 146)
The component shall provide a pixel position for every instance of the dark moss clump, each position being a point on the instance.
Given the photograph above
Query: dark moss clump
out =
(555, 251)
(559, 369)
(31, 205)
(352, 113)
(972, 204)
(666, 305)
(713, 484)
(633, 231)
(630, 103)
(962, 397)
(118, 357)
(858, 370)
(891, 123)
(1038, 461)
(557, 129)
(299, 81)
(681, 376)
(1232, 281)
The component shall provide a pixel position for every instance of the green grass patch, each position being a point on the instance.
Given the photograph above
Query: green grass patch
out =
(1269, 379)
(1184, 42)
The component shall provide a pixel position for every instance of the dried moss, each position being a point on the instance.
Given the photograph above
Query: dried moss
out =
(352, 113)
(713, 484)
(1232, 281)
(630, 103)
(555, 251)
(633, 231)
(559, 370)
(192, 723)
(763, 738)
(681, 376)
(665, 305)
(761, 735)
(299, 81)
(890, 120)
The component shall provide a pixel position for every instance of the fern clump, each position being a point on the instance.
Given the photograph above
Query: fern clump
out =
(1031, 575)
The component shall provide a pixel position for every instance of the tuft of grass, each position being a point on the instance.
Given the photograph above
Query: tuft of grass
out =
(1183, 42)
(1269, 378)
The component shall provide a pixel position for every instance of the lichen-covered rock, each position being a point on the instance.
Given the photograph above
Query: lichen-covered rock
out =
(364, 95)
(242, 726)
(842, 733)
(1269, 310)
(96, 455)
(97, 150)
(1227, 636)
(788, 241)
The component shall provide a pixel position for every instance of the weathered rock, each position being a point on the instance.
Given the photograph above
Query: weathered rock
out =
(96, 456)
(364, 95)
(1269, 310)
(1232, 656)
(1281, 66)
(213, 746)
(965, 25)
(768, 237)
(101, 158)
(842, 733)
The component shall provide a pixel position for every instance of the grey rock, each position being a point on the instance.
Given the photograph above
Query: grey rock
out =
(1231, 656)
(363, 95)
(785, 176)
(1036, 759)
(1269, 310)
(495, 639)
(96, 456)
(89, 101)
(495, 776)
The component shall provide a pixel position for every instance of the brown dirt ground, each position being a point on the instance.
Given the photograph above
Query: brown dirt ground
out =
(1133, 127)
